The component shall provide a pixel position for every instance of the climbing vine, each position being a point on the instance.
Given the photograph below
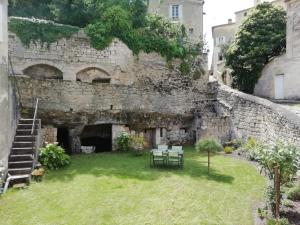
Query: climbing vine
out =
(46, 32)
(157, 34)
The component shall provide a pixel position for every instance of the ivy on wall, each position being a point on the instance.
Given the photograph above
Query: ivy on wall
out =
(157, 35)
(44, 31)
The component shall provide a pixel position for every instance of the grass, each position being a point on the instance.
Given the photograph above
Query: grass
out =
(123, 189)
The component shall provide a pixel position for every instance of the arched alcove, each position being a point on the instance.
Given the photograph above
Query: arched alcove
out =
(43, 71)
(93, 75)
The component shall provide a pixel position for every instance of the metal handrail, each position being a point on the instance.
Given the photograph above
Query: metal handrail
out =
(34, 116)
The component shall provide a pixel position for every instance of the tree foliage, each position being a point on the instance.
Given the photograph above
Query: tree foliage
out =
(283, 155)
(261, 37)
(209, 146)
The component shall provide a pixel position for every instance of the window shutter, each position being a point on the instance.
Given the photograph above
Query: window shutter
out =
(170, 11)
(180, 12)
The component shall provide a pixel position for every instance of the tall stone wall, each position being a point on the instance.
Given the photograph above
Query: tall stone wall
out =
(7, 96)
(255, 117)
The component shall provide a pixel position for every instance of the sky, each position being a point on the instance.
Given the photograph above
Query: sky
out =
(218, 12)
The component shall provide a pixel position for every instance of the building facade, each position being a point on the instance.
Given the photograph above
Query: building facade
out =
(280, 78)
(223, 35)
(186, 12)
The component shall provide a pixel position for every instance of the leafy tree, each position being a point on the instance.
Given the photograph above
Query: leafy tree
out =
(30, 8)
(210, 146)
(261, 37)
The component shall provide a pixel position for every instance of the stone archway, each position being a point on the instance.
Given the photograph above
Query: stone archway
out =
(43, 71)
(93, 75)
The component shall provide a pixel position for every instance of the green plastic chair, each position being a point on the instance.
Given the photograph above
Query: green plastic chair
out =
(175, 158)
(158, 157)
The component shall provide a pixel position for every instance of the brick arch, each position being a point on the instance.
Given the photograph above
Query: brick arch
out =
(43, 71)
(93, 75)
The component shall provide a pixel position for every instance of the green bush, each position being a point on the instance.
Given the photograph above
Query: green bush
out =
(294, 193)
(138, 144)
(228, 150)
(279, 222)
(53, 157)
(123, 142)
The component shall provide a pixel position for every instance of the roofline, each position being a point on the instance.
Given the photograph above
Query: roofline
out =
(243, 10)
(224, 25)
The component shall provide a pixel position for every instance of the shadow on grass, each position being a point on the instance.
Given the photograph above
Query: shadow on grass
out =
(126, 166)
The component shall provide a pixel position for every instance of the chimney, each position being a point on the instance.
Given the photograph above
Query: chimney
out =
(229, 21)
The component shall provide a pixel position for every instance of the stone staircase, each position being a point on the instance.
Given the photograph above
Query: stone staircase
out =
(23, 152)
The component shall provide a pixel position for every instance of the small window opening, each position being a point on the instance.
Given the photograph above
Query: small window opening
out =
(161, 132)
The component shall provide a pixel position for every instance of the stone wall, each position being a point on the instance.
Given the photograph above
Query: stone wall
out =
(75, 59)
(255, 117)
(8, 114)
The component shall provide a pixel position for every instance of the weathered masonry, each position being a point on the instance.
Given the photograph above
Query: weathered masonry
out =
(88, 97)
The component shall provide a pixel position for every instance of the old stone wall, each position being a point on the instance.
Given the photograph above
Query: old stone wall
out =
(255, 117)
(74, 59)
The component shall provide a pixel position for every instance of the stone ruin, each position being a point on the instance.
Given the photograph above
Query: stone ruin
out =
(89, 97)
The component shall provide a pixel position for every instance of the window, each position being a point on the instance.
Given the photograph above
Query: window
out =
(220, 57)
(161, 132)
(175, 12)
(1, 22)
(245, 14)
(191, 30)
(220, 40)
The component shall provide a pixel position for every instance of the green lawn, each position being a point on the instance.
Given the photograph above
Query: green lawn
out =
(123, 189)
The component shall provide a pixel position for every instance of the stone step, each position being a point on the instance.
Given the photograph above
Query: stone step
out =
(26, 126)
(22, 132)
(20, 171)
(23, 144)
(21, 150)
(28, 121)
(20, 164)
(24, 157)
(25, 138)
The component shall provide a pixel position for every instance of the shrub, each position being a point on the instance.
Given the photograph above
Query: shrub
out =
(53, 157)
(228, 150)
(123, 142)
(278, 222)
(294, 193)
(138, 144)
(210, 146)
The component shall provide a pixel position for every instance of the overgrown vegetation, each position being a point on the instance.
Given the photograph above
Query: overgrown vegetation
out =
(105, 20)
(39, 30)
(261, 37)
(53, 157)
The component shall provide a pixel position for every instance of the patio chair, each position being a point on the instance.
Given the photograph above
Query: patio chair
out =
(177, 148)
(175, 158)
(158, 157)
(162, 147)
